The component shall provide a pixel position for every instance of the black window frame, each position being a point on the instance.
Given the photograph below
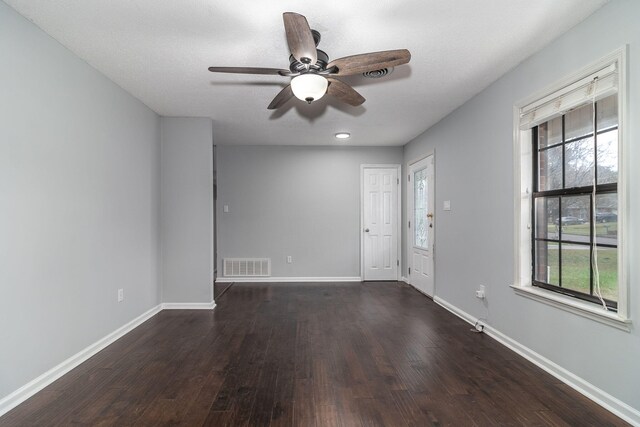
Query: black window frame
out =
(609, 188)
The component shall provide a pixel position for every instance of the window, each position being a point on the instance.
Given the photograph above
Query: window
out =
(571, 194)
(574, 228)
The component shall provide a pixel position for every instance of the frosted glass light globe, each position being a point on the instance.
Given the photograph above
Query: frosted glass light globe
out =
(309, 87)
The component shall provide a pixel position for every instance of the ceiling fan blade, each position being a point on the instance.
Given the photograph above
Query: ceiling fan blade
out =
(344, 92)
(249, 70)
(362, 63)
(299, 38)
(281, 98)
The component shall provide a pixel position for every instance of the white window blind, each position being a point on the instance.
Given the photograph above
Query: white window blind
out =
(597, 85)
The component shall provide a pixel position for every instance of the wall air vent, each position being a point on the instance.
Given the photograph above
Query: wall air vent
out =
(246, 267)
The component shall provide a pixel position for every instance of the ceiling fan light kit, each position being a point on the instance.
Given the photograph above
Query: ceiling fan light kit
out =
(311, 72)
(309, 87)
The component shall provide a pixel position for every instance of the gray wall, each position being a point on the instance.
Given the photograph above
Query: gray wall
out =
(298, 201)
(187, 210)
(474, 241)
(79, 199)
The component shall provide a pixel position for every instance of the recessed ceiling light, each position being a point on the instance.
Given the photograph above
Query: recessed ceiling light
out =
(343, 135)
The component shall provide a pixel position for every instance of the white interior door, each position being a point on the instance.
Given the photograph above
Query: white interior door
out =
(380, 223)
(421, 224)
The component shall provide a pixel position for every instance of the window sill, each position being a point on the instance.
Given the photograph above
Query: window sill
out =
(572, 305)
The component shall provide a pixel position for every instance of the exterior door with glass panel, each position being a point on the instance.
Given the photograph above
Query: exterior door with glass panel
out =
(421, 225)
(380, 223)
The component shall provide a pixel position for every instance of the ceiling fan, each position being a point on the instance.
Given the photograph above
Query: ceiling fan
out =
(312, 73)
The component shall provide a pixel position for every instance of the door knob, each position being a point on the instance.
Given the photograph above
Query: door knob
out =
(366, 230)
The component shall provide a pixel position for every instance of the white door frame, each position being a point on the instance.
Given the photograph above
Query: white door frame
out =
(430, 153)
(399, 219)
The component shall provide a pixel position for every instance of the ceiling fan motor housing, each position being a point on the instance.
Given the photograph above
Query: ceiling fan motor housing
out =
(303, 66)
(298, 67)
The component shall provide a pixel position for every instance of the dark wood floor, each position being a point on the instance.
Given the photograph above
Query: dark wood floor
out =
(309, 354)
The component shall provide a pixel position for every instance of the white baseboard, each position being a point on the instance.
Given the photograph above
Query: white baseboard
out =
(32, 387)
(421, 291)
(9, 402)
(285, 279)
(188, 305)
(455, 310)
(602, 398)
(405, 280)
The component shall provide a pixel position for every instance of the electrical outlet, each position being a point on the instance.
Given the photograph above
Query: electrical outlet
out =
(120, 295)
(289, 259)
(481, 292)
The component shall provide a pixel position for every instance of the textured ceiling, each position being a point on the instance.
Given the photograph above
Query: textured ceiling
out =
(159, 51)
